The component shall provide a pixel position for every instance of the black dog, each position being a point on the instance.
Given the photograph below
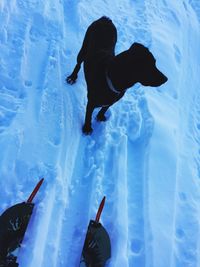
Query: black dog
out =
(109, 76)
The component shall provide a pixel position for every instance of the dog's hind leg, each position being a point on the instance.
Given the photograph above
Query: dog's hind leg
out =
(101, 114)
(87, 129)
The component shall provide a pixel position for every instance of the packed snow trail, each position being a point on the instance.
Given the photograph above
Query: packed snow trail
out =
(145, 158)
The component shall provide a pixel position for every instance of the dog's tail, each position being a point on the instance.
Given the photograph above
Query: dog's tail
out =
(105, 19)
(104, 34)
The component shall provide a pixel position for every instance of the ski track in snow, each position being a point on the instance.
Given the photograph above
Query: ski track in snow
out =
(187, 204)
(40, 136)
(182, 218)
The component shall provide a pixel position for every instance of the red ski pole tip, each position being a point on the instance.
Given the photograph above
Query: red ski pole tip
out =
(100, 209)
(35, 190)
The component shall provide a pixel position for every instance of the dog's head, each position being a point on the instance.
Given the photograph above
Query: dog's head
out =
(148, 73)
(137, 64)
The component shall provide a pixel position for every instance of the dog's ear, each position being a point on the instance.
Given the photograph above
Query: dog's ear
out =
(141, 54)
(136, 46)
(139, 49)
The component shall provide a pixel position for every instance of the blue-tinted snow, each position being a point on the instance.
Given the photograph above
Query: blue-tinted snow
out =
(145, 158)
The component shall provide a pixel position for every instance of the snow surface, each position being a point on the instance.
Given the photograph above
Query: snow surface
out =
(145, 159)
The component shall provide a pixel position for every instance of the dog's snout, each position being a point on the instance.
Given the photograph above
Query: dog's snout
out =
(164, 78)
(160, 78)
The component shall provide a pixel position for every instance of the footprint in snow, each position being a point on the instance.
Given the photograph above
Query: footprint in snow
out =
(180, 233)
(136, 246)
(183, 196)
(28, 83)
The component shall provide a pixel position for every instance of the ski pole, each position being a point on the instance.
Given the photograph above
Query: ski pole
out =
(35, 190)
(100, 209)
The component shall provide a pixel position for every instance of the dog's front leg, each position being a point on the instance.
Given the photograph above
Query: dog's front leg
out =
(80, 58)
(73, 77)
(87, 129)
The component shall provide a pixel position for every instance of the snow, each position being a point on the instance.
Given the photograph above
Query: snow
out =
(145, 159)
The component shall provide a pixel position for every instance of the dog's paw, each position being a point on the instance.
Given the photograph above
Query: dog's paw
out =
(101, 117)
(87, 130)
(71, 79)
